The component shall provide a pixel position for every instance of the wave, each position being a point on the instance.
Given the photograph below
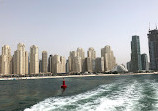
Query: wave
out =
(123, 96)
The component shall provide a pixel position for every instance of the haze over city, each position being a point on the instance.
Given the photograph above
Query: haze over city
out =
(62, 26)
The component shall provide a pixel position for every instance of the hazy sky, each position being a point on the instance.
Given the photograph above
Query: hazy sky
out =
(60, 26)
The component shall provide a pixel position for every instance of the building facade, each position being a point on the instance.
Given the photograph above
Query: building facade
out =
(50, 63)
(109, 59)
(76, 61)
(153, 49)
(136, 64)
(34, 60)
(129, 66)
(145, 63)
(58, 64)
(19, 60)
(90, 60)
(44, 62)
(81, 55)
(26, 63)
(5, 60)
(40, 66)
(99, 64)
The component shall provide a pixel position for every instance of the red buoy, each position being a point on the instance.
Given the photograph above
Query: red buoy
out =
(64, 86)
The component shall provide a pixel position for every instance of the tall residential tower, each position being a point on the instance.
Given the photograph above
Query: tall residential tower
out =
(91, 60)
(5, 60)
(153, 49)
(109, 59)
(44, 62)
(144, 60)
(58, 64)
(19, 60)
(34, 61)
(135, 54)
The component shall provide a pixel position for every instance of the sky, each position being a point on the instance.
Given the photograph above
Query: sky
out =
(61, 26)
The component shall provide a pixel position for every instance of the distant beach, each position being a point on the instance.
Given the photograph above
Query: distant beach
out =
(100, 74)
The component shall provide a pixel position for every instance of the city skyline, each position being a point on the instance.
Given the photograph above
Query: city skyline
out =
(61, 26)
(23, 62)
(86, 54)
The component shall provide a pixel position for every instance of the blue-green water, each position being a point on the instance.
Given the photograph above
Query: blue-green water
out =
(115, 93)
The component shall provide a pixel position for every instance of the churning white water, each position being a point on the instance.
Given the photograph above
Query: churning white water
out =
(123, 96)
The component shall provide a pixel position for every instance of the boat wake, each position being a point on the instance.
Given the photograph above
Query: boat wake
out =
(119, 96)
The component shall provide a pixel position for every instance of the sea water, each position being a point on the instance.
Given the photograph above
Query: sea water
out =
(100, 93)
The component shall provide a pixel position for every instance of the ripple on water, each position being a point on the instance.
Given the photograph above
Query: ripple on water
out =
(133, 95)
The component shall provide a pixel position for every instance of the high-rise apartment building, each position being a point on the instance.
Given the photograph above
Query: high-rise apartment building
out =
(76, 61)
(15, 62)
(40, 66)
(5, 60)
(144, 60)
(71, 61)
(26, 63)
(91, 53)
(81, 55)
(135, 54)
(58, 64)
(109, 59)
(63, 64)
(44, 62)
(50, 63)
(19, 59)
(90, 60)
(153, 48)
(67, 66)
(99, 64)
(77, 64)
(34, 60)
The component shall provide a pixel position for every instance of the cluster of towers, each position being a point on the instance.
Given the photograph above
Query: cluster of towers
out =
(19, 63)
(77, 62)
(23, 62)
(140, 61)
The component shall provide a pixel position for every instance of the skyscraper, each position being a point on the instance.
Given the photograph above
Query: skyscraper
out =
(135, 54)
(58, 64)
(50, 63)
(144, 60)
(109, 59)
(99, 64)
(91, 53)
(67, 66)
(76, 61)
(71, 61)
(153, 48)
(19, 59)
(77, 64)
(44, 62)
(5, 60)
(91, 60)
(34, 61)
(26, 63)
(81, 55)
(40, 66)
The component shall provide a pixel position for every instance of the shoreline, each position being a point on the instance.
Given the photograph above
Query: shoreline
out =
(68, 76)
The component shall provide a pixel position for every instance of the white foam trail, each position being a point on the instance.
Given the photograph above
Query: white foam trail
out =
(56, 103)
(154, 85)
(126, 98)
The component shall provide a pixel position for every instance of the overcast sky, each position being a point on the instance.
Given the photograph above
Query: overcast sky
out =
(60, 26)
